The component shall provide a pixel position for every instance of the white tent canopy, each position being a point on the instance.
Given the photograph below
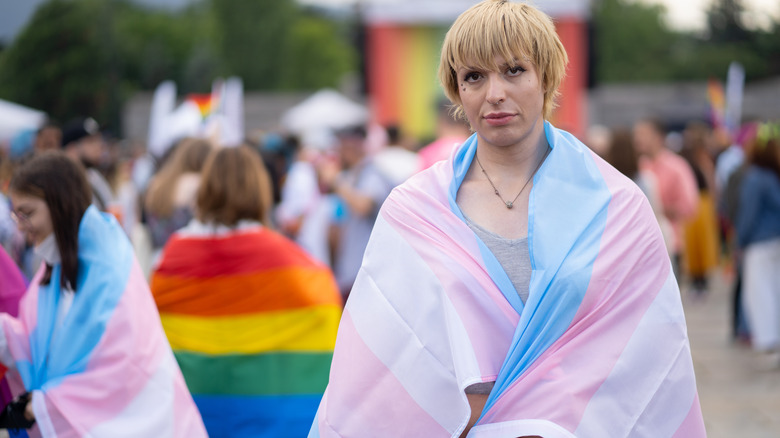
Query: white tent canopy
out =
(15, 118)
(324, 110)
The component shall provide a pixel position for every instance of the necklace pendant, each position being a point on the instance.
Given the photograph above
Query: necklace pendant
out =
(509, 205)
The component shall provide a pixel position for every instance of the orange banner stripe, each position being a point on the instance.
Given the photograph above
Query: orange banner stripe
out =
(283, 289)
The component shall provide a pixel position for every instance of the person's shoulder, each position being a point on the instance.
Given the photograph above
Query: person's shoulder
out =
(763, 176)
(674, 159)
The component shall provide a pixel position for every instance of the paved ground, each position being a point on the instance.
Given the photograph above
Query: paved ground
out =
(739, 397)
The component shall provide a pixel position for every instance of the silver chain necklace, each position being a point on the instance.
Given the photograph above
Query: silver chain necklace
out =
(510, 204)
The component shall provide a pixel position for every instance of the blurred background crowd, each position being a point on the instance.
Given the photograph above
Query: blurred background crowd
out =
(339, 101)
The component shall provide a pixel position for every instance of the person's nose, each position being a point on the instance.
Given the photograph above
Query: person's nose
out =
(22, 225)
(496, 89)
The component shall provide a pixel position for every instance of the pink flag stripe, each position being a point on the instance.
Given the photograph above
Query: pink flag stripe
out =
(403, 417)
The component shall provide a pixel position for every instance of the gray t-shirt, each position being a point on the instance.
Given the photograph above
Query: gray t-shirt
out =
(356, 230)
(513, 256)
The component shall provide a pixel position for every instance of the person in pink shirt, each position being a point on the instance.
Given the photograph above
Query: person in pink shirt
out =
(676, 182)
(450, 131)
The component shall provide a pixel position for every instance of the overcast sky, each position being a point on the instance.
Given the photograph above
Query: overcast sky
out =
(682, 14)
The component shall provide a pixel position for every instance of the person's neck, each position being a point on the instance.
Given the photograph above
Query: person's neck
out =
(656, 152)
(49, 251)
(506, 163)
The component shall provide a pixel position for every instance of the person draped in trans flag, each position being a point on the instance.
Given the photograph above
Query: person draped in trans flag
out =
(87, 355)
(520, 288)
(251, 317)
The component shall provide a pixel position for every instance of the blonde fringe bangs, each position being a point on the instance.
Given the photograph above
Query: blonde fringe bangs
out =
(509, 30)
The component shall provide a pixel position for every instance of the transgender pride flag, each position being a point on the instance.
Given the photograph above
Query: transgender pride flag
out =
(252, 320)
(107, 369)
(600, 348)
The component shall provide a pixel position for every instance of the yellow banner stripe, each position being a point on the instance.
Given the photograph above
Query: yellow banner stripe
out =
(310, 329)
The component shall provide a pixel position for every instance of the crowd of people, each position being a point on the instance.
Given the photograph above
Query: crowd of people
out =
(695, 181)
(506, 279)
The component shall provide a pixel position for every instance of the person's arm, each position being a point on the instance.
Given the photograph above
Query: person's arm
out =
(749, 202)
(476, 403)
(363, 197)
(29, 415)
(358, 203)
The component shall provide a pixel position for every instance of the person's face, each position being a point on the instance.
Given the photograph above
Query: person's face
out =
(32, 217)
(48, 139)
(504, 107)
(647, 141)
(91, 149)
(351, 151)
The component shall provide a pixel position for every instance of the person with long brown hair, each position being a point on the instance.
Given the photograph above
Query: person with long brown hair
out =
(87, 345)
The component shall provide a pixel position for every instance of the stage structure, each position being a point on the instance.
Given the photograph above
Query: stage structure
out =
(402, 48)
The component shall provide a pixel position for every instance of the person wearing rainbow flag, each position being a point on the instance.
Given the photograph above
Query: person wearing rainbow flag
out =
(251, 317)
(520, 288)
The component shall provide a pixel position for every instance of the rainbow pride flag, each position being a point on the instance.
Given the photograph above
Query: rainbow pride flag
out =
(717, 100)
(206, 103)
(252, 320)
(106, 370)
(599, 349)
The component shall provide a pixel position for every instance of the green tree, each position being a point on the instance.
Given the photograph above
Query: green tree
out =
(253, 37)
(157, 46)
(274, 45)
(725, 23)
(315, 59)
(58, 63)
(85, 57)
(632, 42)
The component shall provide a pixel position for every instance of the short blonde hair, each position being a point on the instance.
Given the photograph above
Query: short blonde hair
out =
(510, 30)
(235, 186)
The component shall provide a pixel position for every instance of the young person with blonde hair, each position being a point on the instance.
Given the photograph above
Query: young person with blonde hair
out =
(520, 288)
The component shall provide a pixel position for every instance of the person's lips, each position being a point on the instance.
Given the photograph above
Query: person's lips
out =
(498, 119)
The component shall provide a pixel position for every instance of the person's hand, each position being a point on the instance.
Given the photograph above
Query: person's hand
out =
(292, 227)
(328, 172)
(28, 412)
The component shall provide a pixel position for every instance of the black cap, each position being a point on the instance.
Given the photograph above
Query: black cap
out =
(77, 129)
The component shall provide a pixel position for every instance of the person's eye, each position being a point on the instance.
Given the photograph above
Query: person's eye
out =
(514, 71)
(472, 76)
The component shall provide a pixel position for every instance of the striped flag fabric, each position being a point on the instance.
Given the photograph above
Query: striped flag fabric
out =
(599, 349)
(107, 369)
(12, 287)
(252, 320)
